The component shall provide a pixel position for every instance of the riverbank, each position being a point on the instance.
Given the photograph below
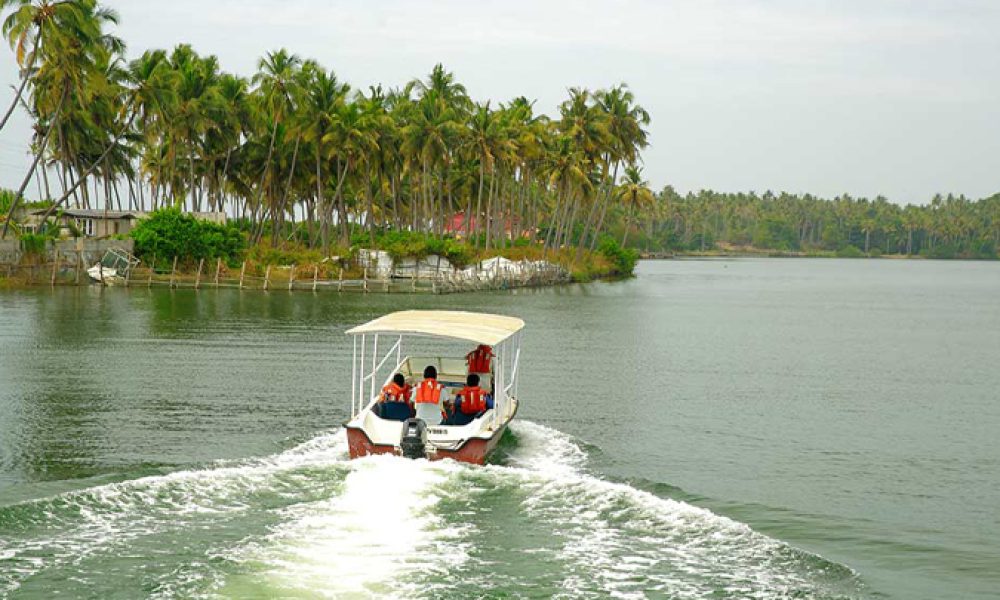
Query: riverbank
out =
(364, 270)
(770, 253)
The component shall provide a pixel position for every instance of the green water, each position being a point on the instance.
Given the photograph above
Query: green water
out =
(724, 429)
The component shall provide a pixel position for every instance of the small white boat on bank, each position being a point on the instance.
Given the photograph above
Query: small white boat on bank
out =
(114, 266)
(419, 430)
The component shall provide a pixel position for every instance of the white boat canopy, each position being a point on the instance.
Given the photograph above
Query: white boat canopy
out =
(474, 327)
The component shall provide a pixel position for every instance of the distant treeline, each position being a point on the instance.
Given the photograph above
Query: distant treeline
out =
(948, 227)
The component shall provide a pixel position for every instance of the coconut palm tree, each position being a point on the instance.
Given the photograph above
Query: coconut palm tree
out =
(634, 194)
(72, 47)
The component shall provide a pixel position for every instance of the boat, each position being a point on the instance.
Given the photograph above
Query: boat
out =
(114, 266)
(419, 433)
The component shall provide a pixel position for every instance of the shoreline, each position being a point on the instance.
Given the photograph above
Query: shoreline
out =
(793, 254)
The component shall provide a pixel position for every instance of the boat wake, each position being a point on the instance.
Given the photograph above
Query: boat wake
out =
(309, 523)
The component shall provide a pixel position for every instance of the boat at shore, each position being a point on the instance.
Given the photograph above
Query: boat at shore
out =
(421, 430)
(114, 267)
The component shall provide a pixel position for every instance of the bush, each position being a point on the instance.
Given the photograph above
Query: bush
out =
(941, 251)
(875, 252)
(850, 252)
(623, 259)
(411, 244)
(33, 243)
(169, 232)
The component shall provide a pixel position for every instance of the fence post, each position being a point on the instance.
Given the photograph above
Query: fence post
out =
(218, 269)
(173, 272)
(55, 265)
(315, 276)
(243, 269)
(267, 277)
(340, 280)
(197, 278)
(291, 278)
(364, 280)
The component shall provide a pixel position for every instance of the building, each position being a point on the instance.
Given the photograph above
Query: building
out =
(99, 223)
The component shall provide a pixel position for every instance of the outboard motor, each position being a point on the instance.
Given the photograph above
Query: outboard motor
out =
(413, 442)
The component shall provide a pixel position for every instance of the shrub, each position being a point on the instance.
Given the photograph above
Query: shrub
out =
(411, 244)
(169, 232)
(33, 243)
(942, 251)
(623, 259)
(850, 252)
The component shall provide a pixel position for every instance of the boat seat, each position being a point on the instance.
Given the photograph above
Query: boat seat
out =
(430, 413)
(459, 418)
(393, 411)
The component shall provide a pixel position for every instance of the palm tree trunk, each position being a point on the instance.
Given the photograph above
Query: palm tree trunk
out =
(604, 209)
(25, 76)
(479, 204)
(279, 219)
(628, 223)
(489, 206)
(89, 170)
(34, 164)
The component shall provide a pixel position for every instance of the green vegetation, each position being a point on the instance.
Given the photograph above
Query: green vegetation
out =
(401, 244)
(33, 243)
(169, 232)
(622, 259)
(949, 227)
(294, 143)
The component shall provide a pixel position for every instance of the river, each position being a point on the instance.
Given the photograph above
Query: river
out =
(750, 428)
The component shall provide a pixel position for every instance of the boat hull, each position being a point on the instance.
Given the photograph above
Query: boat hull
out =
(474, 450)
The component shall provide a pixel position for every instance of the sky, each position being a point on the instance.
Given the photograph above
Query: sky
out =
(866, 97)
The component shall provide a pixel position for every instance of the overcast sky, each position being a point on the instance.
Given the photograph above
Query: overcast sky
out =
(867, 97)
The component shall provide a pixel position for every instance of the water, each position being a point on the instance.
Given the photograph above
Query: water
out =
(726, 429)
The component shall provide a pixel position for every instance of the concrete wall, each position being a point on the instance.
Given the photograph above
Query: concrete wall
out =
(90, 250)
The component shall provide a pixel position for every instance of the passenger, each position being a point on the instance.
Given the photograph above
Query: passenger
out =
(429, 396)
(393, 402)
(470, 403)
(474, 398)
(479, 359)
(395, 390)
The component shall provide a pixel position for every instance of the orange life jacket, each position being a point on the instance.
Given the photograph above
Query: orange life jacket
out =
(393, 392)
(429, 391)
(473, 400)
(479, 359)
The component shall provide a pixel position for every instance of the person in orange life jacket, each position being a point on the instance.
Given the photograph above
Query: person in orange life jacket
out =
(470, 403)
(429, 391)
(473, 397)
(395, 390)
(393, 403)
(479, 359)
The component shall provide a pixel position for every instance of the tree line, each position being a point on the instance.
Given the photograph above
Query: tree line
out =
(949, 226)
(295, 151)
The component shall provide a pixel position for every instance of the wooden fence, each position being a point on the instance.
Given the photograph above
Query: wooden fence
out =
(72, 270)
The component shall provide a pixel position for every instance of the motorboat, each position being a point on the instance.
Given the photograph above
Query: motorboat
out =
(421, 430)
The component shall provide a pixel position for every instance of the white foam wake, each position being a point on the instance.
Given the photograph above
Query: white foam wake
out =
(369, 540)
(69, 527)
(624, 542)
